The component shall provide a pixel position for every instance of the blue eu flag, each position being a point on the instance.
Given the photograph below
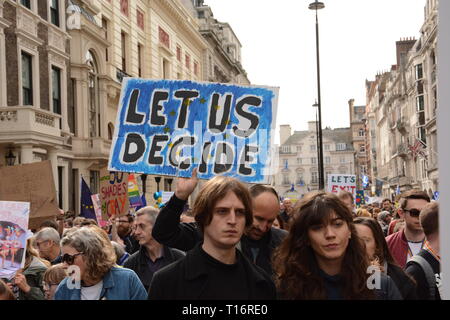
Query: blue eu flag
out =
(144, 202)
(87, 208)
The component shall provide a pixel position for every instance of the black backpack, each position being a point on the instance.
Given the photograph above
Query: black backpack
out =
(429, 273)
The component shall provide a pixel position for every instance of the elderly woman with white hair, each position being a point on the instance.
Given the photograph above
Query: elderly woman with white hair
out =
(384, 218)
(91, 262)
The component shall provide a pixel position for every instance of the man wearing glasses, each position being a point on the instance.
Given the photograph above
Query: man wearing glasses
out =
(47, 243)
(124, 231)
(409, 241)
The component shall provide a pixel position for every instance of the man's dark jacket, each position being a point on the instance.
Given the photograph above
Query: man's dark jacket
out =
(184, 236)
(186, 279)
(138, 262)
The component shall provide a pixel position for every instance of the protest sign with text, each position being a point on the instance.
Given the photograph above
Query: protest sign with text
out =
(167, 127)
(345, 182)
(113, 194)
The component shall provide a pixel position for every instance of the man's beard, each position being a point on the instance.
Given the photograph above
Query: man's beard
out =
(122, 231)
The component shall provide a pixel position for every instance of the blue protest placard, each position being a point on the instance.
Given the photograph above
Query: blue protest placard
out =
(170, 127)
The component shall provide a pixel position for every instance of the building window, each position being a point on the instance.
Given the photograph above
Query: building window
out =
(421, 132)
(71, 114)
(26, 3)
(54, 12)
(314, 177)
(94, 114)
(313, 160)
(286, 179)
(211, 71)
(140, 19)
(286, 149)
(60, 186)
(342, 160)
(299, 148)
(362, 148)
(327, 147)
(179, 53)
(123, 38)
(300, 180)
(164, 38)
(56, 89)
(424, 168)
(196, 68)
(140, 60)
(94, 180)
(420, 103)
(363, 169)
(124, 7)
(312, 147)
(341, 146)
(299, 160)
(434, 100)
(420, 87)
(327, 160)
(165, 69)
(105, 27)
(419, 71)
(188, 61)
(285, 163)
(27, 79)
(361, 132)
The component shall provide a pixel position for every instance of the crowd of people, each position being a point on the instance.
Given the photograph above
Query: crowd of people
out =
(239, 243)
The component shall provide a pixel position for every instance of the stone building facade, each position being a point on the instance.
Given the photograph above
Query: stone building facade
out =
(34, 70)
(358, 128)
(297, 170)
(61, 67)
(401, 114)
(223, 61)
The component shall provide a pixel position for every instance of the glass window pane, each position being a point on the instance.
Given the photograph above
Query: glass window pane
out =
(56, 90)
(26, 3)
(27, 79)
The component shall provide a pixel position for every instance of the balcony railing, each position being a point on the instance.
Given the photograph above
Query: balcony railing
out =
(281, 151)
(26, 120)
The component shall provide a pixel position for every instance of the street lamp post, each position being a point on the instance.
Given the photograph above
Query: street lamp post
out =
(157, 180)
(144, 183)
(317, 6)
(317, 140)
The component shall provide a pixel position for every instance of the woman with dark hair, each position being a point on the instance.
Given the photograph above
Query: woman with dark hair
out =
(323, 258)
(377, 250)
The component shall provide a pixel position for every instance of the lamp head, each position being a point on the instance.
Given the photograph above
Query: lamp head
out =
(317, 5)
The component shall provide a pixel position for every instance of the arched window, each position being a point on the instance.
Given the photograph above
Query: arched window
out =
(94, 114)
(110, 131)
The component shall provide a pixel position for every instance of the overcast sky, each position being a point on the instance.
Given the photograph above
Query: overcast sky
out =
(357, 40)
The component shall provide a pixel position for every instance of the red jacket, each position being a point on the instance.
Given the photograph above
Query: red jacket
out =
(398, 246)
